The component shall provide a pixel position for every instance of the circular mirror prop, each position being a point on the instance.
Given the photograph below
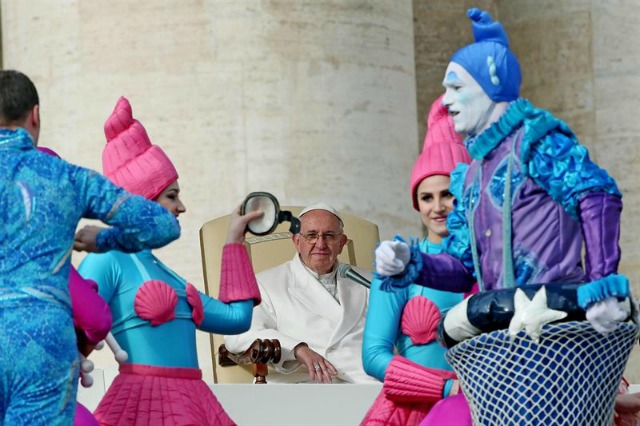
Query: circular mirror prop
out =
(271, 217)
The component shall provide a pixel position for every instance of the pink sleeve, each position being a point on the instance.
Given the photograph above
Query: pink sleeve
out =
(407, 381)
(237, 279)
(91, 313)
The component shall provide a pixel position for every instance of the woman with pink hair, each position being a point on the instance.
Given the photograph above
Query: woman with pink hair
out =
(155, 311)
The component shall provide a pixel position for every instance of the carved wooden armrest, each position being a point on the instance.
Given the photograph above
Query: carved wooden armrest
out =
(259, 354)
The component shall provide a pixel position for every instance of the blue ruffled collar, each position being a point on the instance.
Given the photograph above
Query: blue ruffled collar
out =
(481, 145)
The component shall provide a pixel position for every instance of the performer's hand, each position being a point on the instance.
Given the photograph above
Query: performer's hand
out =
(320, 369)
(392, 257)
(84, 347)
(238, 225)
(85, 239)
(628, 403)
(605, 315)
(455, 388)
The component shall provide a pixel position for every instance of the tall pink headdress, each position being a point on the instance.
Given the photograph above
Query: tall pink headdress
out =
(130, 160)
(442, 151)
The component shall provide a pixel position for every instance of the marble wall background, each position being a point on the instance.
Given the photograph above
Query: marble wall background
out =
(314, 99)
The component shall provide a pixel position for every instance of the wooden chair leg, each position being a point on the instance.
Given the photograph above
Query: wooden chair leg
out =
(260, 372)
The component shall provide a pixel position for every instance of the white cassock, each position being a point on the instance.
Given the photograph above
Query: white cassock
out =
(297, 308)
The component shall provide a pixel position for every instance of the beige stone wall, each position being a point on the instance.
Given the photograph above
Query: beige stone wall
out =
(310, 100)
(441, 28)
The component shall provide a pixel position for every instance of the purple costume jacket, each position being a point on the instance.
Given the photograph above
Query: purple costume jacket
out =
(558, 195)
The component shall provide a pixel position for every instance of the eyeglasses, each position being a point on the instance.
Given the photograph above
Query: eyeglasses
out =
(329, 237)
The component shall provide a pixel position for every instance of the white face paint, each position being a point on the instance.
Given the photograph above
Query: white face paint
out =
(470, 107)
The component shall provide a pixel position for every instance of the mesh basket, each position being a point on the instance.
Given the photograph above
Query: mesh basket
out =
(570, 377)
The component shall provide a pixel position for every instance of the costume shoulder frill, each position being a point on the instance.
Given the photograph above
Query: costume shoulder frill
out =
(458, 243)
(550, 154)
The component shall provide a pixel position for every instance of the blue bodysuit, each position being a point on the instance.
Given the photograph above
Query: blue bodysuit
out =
(154, 341)
(42, 200)
(403, 323)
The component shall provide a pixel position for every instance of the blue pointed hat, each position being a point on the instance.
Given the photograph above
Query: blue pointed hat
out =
(489, 60)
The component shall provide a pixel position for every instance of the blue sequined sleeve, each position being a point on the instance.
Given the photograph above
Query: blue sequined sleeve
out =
(137, 223)
(458, 243)
(562, 167)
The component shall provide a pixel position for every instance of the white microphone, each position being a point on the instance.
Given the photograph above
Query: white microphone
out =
(345, 271)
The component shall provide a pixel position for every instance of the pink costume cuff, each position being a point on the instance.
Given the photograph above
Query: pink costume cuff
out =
(237, 279)
(406, 381)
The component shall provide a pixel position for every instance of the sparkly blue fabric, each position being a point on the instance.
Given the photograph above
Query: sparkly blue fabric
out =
(39, 363)
(497, 183)
(550, 154)
(525, 266)
(42, 199)
(458, 243)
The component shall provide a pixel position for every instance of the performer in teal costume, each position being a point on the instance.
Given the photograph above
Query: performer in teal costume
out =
(399, 346)
(155, 311)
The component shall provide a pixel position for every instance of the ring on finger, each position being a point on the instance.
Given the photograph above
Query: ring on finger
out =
(316, 366)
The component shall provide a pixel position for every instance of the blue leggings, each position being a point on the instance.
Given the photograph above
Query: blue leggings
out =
(39, 363)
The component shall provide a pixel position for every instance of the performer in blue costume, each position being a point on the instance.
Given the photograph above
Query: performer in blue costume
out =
(400, 347)
(155, 311)
(524, 207)
(558, 199)
(43, 199)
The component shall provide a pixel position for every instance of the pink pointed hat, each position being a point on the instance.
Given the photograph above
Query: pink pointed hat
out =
(130, 160)
(442, 151)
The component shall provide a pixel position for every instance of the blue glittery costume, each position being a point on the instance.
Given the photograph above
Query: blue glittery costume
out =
(43, 199)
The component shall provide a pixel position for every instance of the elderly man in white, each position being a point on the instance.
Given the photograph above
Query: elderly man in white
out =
(317, 316)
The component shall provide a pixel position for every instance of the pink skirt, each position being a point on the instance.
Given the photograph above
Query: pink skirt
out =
(387, 412)
(144, 395)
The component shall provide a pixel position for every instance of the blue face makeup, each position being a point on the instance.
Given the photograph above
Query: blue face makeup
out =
(452, 79)
(466, 100)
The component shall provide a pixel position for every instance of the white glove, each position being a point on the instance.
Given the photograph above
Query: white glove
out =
(392, 257)
(605, 315)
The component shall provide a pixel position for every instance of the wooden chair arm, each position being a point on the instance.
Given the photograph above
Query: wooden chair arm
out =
(259, 354)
